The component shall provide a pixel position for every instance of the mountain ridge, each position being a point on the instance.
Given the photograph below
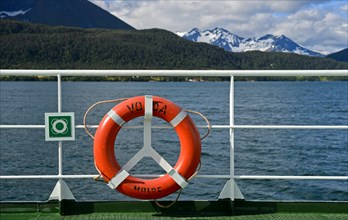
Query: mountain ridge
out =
(341, 55)
(77, 13)
(231, 42)
(35, 46)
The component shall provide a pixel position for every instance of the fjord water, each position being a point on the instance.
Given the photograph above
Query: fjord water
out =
(257, 151)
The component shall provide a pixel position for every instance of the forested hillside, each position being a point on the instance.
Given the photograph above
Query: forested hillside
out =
(339, 56)
(25, 45)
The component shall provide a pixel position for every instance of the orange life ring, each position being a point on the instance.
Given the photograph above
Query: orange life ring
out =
(104, 155)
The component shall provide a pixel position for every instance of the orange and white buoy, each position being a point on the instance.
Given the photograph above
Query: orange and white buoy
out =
(118, 177)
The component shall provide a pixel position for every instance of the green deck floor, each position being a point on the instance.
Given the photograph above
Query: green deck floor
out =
(181, 210)
(138, 216)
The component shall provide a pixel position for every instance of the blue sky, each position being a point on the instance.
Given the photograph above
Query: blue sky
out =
(318, 25)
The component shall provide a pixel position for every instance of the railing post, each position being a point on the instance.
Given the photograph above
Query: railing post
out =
(231, 189)
(232, 137)
(61, 190)
(60, 144)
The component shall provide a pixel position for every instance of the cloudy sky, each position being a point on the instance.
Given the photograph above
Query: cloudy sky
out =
(319, 25)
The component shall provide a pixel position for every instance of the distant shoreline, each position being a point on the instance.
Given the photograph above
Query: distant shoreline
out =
(171, 79)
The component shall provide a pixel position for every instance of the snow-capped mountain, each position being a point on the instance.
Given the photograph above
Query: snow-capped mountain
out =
(231, 42)
(76, 13)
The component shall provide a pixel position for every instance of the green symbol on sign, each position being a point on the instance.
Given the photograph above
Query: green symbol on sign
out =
(59, 126)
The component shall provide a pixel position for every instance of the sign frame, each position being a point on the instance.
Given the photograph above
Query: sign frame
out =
(60, 126)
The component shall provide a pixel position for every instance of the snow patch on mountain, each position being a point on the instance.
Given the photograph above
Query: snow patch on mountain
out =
(231, 42)
(4, 14)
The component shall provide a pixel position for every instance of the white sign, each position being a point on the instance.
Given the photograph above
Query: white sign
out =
(60, 126)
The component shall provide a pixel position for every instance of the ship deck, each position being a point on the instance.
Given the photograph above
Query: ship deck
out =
(222, 209)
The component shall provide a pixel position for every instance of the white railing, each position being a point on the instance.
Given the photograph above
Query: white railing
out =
(230, 190)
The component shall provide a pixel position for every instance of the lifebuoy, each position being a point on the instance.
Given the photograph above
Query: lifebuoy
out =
(109, 168)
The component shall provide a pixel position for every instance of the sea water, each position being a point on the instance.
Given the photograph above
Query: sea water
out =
(318, 152)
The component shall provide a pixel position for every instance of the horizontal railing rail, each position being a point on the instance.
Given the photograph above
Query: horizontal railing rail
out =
(311, 127)
(88, 176)
(231, 192)
(192, 73)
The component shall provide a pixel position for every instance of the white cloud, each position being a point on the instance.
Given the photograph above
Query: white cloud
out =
(315, 28)
(315, 24)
